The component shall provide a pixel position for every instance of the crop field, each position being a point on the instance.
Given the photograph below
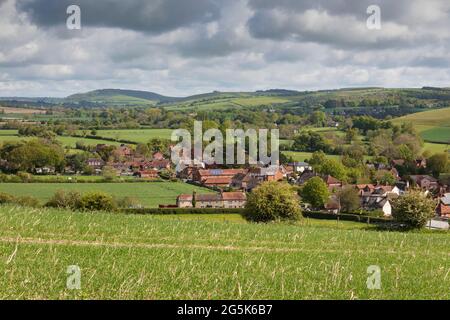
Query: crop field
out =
(152, 257)
(149, 194)
(137, 135)
(12, 110)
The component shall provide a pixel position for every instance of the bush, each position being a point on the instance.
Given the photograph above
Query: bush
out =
(96, 201)
(128, 203)
(6, 198)
(272, 201)
(27, 201)
(413, 209)
(63, 199)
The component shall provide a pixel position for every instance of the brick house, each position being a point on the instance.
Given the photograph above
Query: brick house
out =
(95, 163)
(147, 174)
(443, 208)
(124, 151)
(244, 181)
(425, 182)
(163, 164)
(215, 177)
(158, 156)
(219, 200)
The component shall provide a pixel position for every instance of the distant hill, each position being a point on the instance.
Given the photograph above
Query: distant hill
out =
(119, 97)
(346, 101)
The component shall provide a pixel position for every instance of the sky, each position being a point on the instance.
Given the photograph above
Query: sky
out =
(185, 47)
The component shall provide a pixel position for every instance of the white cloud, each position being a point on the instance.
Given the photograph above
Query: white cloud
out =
(245, 45)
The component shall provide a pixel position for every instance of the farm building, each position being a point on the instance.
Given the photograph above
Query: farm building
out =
(219, 200)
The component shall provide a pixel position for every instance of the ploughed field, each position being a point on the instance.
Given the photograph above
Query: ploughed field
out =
(173, 257)
(148, 194)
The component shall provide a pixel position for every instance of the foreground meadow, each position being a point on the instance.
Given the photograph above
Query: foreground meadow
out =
(171, 257)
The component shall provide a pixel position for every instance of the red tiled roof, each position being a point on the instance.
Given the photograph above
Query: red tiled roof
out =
(220, 172)
(207, 197)
(217, 180)
(331, 180)
(185, 197)
(228, 196)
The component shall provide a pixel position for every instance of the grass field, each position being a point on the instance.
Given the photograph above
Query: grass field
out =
(435, 147)
(138, 135)
(149, 194)
(302, 156)
(152, 257)
(433, 125)
(69, 142)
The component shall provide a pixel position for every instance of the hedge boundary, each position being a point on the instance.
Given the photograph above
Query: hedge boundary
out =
(309, 214)
(175, 211)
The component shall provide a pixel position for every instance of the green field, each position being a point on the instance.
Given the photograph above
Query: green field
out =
(69, 142)
(433, 125)
(136, 135)
(149, 194)
(302, 156)
(152, 257)
(435, 147)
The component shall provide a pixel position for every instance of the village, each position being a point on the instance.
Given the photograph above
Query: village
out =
(230, 185)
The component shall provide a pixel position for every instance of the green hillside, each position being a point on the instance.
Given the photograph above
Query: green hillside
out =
(157, 257)
(118, 97)
(433, 125)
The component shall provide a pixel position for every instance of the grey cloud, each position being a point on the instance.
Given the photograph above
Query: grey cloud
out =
(342, 23)
(154, 16)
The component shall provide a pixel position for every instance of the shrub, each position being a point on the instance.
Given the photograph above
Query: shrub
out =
(27, 201)
(272, 201)
(128, 203)
(413, 209)
(96, 201)
(6, 198)
(63, 199)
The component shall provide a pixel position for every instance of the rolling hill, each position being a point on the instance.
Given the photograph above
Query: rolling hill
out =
(119, 97)
(433, 125)
(378, 102)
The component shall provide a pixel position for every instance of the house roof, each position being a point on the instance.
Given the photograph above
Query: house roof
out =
(420, 178)
(220, 172)
(185, 197)
(398, 162)
(331, 180)
(207, 197)
(217, 180)
(160, 163)
(364, 186)
(229, 196)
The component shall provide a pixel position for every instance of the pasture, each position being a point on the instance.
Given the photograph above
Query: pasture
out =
(152, 257)
(302, 156)
(433, 125)
(149, 194)
(68, 142)
(136, 135)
